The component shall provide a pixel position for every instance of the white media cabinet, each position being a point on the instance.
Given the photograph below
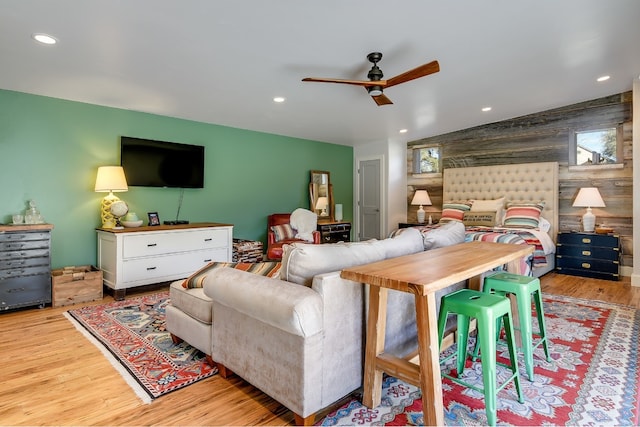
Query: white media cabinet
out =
(140, 256)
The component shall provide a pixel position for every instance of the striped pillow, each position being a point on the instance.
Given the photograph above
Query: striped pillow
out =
(523, 215)
(268, 269)
(283, 232)
(454, 211)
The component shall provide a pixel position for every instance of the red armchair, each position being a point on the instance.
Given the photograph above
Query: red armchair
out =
(274, 248)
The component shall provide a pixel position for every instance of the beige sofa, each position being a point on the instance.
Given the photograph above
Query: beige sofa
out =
(300, 338)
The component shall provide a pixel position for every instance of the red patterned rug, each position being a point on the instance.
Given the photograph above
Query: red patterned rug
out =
(133, 332)
(593, 378)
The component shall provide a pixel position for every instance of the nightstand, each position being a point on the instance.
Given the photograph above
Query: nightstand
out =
(589, 255)
(334, 232)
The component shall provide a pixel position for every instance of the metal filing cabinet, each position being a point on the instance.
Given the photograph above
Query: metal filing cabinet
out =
(25, 265)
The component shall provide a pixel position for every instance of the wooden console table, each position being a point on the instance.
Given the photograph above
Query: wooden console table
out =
(421, 274)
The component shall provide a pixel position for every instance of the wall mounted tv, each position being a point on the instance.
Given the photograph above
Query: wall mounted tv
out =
(149, 163)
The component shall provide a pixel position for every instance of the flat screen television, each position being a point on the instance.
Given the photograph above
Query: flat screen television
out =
(149, 163)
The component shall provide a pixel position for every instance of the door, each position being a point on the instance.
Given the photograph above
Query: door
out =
(369, 184)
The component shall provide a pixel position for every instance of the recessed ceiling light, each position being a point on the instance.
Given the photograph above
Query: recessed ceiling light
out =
(404, 130)
(485, 109)
(603, 78)
(279, 99)
(44, 38)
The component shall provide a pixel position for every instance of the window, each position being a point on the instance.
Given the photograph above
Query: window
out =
(596, 147)
(426, 159)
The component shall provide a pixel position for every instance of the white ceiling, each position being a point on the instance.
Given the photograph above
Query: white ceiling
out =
(223, 62)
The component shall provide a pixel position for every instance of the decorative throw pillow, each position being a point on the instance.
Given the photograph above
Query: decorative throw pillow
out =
(523, 215)
(283, 232)
(496, 205)
(454, 211)
(268, 269)
(487, 219)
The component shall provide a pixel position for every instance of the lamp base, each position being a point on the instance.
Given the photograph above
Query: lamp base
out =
(108, 220)
(588, 221)
(421, 215)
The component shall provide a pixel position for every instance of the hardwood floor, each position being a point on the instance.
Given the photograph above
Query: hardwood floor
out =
(51, 374)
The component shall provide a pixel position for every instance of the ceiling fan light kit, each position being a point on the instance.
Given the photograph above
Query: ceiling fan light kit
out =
(375, 85)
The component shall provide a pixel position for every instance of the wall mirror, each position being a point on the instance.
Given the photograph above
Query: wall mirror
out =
(321, 195)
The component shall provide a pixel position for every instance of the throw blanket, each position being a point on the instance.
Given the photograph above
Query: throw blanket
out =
(510, 236)
(305, 223)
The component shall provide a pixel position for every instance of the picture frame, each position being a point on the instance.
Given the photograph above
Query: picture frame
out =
(154, 219)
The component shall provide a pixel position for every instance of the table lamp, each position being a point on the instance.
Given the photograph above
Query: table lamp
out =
(109, 179)
(421, 197)
(588, 197)
(321, 205)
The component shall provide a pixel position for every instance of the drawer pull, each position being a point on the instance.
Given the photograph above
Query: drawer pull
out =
(586, 253)
(586, 240)
(586, 265)
(15, 290)
(151, 268)
(151, 245)
(208, 240)
(207, 260)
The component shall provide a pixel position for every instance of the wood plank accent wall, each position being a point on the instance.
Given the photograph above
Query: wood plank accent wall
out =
(544, 137)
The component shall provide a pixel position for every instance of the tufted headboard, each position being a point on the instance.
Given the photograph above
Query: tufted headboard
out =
(520, 182)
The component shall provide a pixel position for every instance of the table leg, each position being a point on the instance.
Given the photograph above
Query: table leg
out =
(376, 327)
(429, 350)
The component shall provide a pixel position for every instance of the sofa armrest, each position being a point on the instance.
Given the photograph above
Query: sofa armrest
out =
(271, 237)
(290, 307)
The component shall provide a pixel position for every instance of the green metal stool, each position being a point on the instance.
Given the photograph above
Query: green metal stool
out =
(488, 309)
(524, 288)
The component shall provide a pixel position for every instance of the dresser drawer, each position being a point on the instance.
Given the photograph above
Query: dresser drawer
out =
(589, 252)
(169, 267)
(26, 253)
(23, 236)
(150, 244)
(20, 245)
(22, 262)
(588, 264)
(25, 271)
(588, 273)
(581, 239)
(25, 291)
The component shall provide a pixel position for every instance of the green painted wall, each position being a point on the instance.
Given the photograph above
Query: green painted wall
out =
(50, 150)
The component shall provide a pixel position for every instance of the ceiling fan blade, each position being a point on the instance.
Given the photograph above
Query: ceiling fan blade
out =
(421, 71)
(382, 100)
(343, 81)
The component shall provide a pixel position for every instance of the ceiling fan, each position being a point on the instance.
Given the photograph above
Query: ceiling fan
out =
(375, 85)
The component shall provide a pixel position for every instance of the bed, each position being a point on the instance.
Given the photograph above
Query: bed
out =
(519, 183)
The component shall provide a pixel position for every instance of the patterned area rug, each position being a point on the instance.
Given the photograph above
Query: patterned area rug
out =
(133, 332)
(592, 379)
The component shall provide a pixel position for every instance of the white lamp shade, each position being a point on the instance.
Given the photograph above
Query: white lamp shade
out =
(322, 203)
(111, 178)
(589, 197)
(421, 197)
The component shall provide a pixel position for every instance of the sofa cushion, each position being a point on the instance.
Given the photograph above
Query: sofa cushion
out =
(405, 241)
(302, 261)
(191, 301)
(269, 269)
(447, 234)
(293, 309)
